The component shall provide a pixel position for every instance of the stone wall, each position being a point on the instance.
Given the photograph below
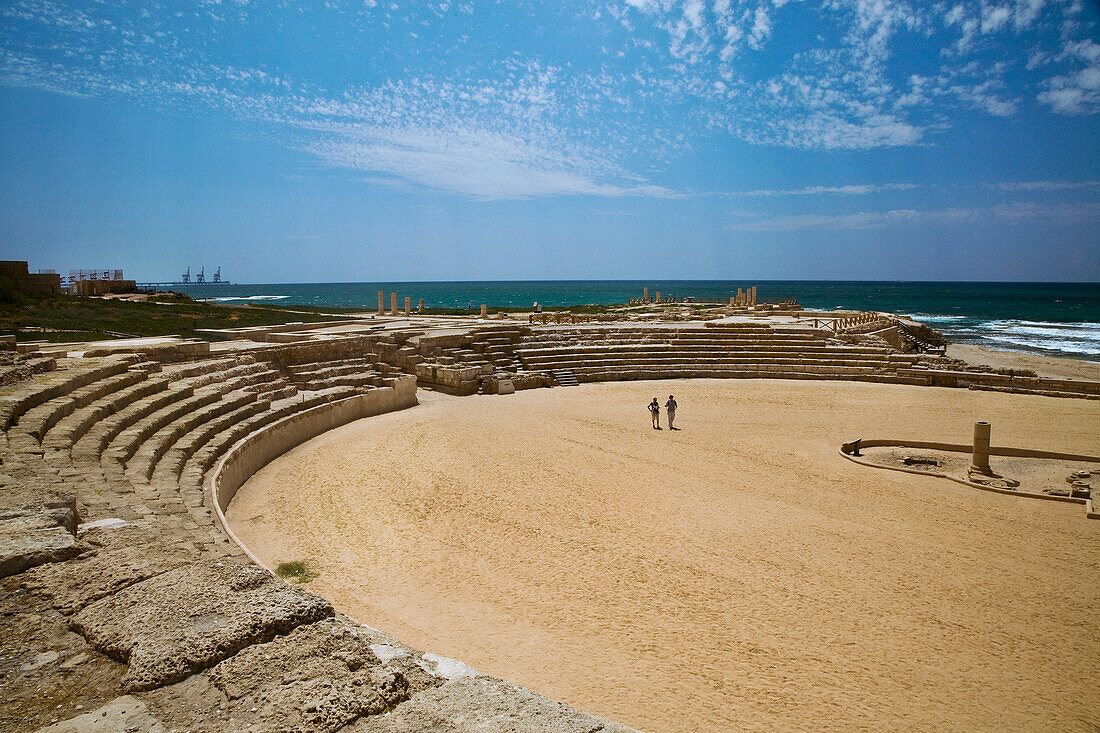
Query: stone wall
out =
(260, 448)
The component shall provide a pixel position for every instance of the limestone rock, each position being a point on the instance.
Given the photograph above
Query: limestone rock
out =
(318, 678)
(31, 538)
(122, 715)
(188, 619)
(119, 558)
(473, 705)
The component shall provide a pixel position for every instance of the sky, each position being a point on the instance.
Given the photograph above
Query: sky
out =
(507, 140)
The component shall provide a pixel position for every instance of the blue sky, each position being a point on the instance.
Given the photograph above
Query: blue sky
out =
(352, 141)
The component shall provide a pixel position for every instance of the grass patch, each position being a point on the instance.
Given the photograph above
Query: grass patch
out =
(296, 571)
(75, 318)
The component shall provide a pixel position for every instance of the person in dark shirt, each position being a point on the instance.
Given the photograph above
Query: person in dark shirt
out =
(655, 412)
(670, 407)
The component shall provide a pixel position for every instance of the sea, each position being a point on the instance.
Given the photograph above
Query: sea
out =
(1055, 319)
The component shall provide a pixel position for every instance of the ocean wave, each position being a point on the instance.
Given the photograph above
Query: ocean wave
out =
(250, 297)
(1069, 346)
(933, 318)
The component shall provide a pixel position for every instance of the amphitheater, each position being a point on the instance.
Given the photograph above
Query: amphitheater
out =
(127, 602)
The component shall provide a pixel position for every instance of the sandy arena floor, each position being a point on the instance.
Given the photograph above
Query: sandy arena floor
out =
(737, 574)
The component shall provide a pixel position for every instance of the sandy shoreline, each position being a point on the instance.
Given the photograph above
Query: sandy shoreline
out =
(737, 574)
(1044, 366)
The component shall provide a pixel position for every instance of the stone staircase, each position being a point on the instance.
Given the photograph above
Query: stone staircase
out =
(565, 377)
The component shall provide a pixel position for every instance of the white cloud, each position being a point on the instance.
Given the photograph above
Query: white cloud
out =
(1078, 92)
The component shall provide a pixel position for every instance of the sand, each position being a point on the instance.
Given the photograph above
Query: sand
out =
(737, 574)
(1044, 366)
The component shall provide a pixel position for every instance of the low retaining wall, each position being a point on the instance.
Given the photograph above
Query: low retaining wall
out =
(1090, 511)
(255, 451)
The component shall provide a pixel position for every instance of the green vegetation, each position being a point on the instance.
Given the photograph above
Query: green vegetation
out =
(297, 571)
(73, 318)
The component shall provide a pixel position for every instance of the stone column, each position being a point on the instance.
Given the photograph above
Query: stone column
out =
(733, 300)
(754, 295)
(393, 303)
(658, 299)
(645, 295)
(740, 296)
(979, 460)
(408, 305)
(420, 308)
(381, 302)
(484, 310)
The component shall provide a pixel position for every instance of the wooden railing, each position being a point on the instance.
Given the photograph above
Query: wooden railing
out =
(839, 324)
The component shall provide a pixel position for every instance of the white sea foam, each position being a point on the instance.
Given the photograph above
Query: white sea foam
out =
(1082, 337)
(927, 317)
(250, 297)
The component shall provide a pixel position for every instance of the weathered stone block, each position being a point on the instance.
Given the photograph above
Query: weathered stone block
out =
(32, 538)
(325, 676)
(119, 558)
(188, 619)
(473, 705)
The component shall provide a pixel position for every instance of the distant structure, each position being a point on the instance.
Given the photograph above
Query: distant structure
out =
(98, 282)
(15, 275)
(186, 279)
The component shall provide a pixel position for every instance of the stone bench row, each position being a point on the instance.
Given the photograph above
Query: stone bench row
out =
(68, 431)
(311, 372)
(139, 468)
(199, 368)
(17, 401)
(582, 351)
(644, 361)
(171, 464)
(37, 421)
(717, 368)
(701, 337)
(702, 372)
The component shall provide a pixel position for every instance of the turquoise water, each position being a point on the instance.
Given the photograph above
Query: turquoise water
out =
(1058, 319)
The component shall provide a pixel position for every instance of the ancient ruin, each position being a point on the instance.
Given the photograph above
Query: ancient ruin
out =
(130, 599)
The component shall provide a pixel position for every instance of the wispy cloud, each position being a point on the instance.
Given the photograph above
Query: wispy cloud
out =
(1045, 185)
(850, 190)
(475, 116)
(1024, 212)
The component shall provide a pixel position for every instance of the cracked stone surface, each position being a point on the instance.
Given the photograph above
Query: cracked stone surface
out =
(479, 704)
(190, 618)
(327, 676)
(117, 559)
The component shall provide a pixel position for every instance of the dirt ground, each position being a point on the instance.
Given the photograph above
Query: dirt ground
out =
(737, 574)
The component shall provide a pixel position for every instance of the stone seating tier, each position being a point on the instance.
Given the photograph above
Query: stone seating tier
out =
(17, 400)
(306, 366)
(139, 468)
(186, 370)
(73, 427)
(126, 443)
(317, 371)
(272, 391)
(99, 436)
(361, 379)
(35, 422)
(168, 468)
